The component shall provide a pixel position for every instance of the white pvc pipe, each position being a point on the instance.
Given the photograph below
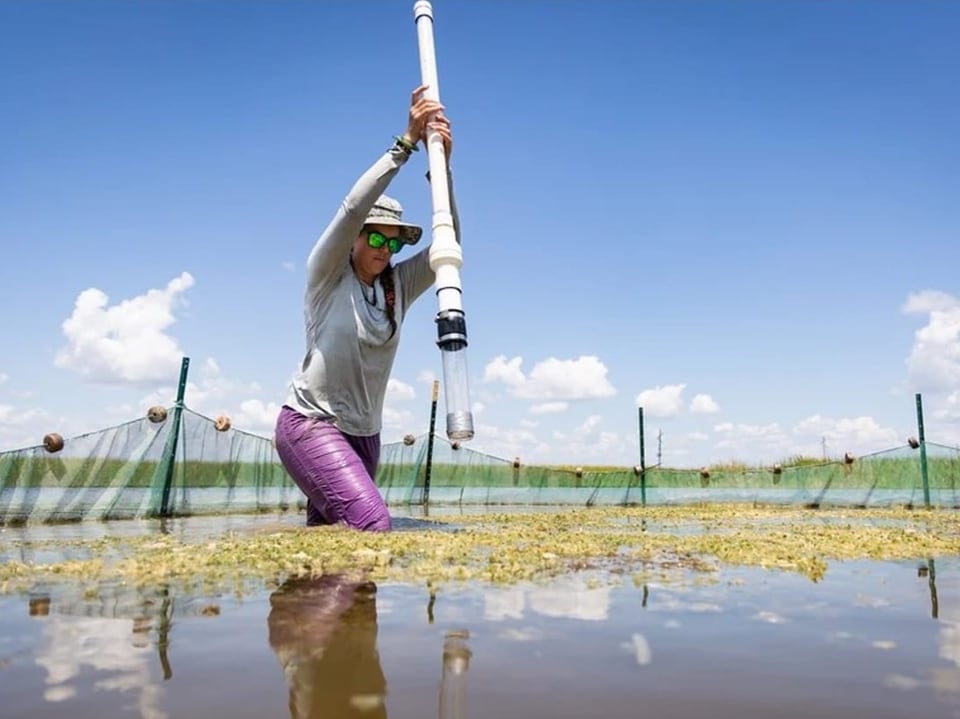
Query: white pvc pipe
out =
(446, 258)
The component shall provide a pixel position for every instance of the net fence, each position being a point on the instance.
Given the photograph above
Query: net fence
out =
(188, 464)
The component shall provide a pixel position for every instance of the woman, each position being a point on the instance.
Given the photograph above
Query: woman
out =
(328, 431)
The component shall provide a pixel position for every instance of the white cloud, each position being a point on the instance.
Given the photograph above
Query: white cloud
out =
(934, 361)
(587, 443)
(861, 435)
(210, 394)
(288, 266)
(504, 370)
(590, 424)
(664, 401)
(401, 421)
(24, 425)
(9, 415)
(764, 443)
(257, 416)
(751, 442)
(426, 376)
(3, 377)
(507, 443)
(20, 428)
(698, 436)
(127, 342)
(750, 430)
(704, 404)
(398, 391)
(549, 408)
(478, 407)
(397, 420)
(552, 379)
(951, 408)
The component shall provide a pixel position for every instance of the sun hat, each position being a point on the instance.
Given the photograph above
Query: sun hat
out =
(387, 211)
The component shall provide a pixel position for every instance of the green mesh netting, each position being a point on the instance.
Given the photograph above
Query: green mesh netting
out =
(184, 465)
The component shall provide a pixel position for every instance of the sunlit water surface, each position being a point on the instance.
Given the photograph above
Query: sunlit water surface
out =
(872, 639)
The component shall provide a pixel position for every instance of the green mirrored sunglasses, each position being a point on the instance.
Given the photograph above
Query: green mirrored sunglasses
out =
(377, 240)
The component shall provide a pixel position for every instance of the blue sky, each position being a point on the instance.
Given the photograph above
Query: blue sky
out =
(744, 216)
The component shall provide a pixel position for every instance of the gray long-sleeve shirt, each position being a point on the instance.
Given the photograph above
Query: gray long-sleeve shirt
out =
(349, 347)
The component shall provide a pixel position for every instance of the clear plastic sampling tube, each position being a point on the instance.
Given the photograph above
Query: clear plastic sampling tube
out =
(446, 258)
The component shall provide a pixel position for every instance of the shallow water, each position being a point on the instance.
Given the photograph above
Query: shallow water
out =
(872, 639)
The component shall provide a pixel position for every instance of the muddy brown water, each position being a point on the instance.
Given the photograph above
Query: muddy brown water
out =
(871, 639)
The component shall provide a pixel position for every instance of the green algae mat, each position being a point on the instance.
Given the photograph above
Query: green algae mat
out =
(495, 548)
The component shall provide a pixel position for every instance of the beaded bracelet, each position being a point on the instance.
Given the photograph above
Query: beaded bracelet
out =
(405, 144)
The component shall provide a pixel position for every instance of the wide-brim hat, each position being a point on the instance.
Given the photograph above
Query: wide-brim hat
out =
(387, 211)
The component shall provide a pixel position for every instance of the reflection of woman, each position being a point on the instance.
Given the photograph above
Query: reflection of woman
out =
(324, 633)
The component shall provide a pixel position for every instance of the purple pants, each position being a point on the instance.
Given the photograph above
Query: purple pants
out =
(335, 470)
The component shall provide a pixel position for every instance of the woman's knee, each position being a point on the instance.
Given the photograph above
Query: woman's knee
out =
(380, 522)
(368, 512)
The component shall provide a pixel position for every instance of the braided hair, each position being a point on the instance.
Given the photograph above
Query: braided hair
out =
(390, 297)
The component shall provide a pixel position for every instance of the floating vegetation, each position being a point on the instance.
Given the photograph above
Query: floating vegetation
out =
(505, 548)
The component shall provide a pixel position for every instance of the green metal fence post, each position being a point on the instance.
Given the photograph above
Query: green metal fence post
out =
(643, 464)
(433, 424)
(923, 453)
(170, 451)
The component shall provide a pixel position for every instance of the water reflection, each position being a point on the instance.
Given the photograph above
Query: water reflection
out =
(568, 597)
(944, 680)
(885, 625)
(931, 571)
(80, 636)
(453, 687)
(324, 633)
